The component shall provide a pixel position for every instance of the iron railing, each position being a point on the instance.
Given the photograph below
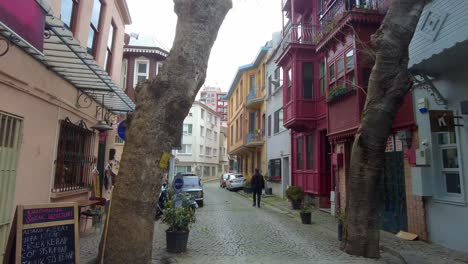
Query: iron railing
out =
(302, 33)
(255, 94)
(255, 136)
(339, 7)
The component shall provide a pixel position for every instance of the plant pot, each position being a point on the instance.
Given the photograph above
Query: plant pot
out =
(306, 218)
(176, 241)
(340, 231)
(296, 204)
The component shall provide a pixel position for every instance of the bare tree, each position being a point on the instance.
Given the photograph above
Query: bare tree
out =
(389, 82)
(155, 127)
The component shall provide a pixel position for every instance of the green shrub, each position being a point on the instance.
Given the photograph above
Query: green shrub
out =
(295, 193)
(179, 218)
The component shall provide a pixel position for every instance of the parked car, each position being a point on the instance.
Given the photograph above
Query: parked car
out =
(222, 180)
(235, 182)
(194, 187)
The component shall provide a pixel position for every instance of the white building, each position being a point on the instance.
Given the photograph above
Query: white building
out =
(277, 137)
(223, 166)
(200, 142)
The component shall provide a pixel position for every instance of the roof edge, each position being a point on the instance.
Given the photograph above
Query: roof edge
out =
(125, 12)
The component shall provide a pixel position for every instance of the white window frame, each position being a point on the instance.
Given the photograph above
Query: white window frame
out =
(215, 152)
(209, 133)
(137, 74)
(439, 171)
(186, 132)
(182, 148)
(208, 151)
(201, 151)
(158, 65)
(201, 130)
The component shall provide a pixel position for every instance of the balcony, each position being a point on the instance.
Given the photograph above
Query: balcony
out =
(255, 138)
(303, 115)
(338, 9)
(255, 98)
(301, 33)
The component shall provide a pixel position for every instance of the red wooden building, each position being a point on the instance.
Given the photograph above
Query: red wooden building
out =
(326, 64)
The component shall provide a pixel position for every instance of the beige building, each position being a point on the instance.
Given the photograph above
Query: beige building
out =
(59, 76)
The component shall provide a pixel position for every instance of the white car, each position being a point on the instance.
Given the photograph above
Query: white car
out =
(235, 181)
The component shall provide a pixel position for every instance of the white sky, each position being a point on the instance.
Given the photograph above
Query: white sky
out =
(247, 27)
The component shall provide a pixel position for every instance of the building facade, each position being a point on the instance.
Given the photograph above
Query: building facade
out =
(222, 108)
(438, 60)
(246, 116)
(278, 138)
(59, 76)
(215, 99)
(200, 142)
(326, 68)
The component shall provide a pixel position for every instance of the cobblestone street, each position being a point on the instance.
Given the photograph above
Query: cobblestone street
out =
(230, 230)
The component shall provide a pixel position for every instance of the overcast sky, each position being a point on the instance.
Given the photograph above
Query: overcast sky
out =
(247, 27)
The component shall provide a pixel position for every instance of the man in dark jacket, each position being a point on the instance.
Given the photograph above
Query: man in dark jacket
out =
(258, 183)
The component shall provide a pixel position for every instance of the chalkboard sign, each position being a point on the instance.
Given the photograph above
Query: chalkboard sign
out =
(47, 233)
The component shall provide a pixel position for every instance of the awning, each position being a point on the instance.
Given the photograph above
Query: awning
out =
(64, 55)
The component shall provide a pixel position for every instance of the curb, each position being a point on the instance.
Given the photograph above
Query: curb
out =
(393, 252)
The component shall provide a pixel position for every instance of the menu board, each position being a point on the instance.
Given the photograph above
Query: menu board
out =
(47, 233)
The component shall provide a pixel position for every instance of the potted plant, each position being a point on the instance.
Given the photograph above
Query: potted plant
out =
(295, 194)
(306, 215)
(179, 215)
(340, 217)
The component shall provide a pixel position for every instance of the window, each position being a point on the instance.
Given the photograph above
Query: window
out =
(213, 171)
(201, 150)
(322, 78)
(118, 140)
(93, 34)
(215, 120)
(307, 80)
(110, 48)
(274, 166)
(203, 114)
(448, 159)
(207, 151)
(232, 135)
(123, 78)
(187, 130)
(75, 157)
(252, 82)
(331, 72)
(279, 76)
(289, 85)
(68, 13)
(201, 131)
(215, 136)
(309, 152)
(158, 67)
(350, 60)
(185, 149)
(215, 152)
(339, 67)
(299, 153)
(209, 133)
(269, 85)
(141, 71)
(269, 125)
(183, 169)
(278, 126)
(206, 171)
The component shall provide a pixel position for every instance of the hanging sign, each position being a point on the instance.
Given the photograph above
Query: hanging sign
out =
(45, 233)
(442, 121)
(164, 161)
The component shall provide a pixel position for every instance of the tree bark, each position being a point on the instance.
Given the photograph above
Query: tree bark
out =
(388, 83)
(155, 127)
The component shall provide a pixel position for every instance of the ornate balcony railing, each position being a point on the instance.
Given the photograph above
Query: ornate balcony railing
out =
(255, 136)
(301, 33)
(339, 7)
(255, 95)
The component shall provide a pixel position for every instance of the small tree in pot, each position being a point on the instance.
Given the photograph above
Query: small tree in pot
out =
(340, 216)
(306, 215)
(295, 194)
(179, 215)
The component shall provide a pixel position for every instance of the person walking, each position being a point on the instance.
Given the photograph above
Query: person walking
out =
(258, 183)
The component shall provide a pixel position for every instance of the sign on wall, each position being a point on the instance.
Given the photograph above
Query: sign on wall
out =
(45, 233)
(442, 121)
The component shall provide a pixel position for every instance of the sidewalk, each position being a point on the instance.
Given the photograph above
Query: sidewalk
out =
(410, 252)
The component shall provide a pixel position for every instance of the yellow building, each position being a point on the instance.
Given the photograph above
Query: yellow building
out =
(246, 117)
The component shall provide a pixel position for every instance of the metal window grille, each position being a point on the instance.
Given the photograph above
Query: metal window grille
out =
(75, 159)
(10, 133)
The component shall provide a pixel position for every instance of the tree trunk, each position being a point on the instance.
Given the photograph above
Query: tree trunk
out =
(155, 127)
(388, 83)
